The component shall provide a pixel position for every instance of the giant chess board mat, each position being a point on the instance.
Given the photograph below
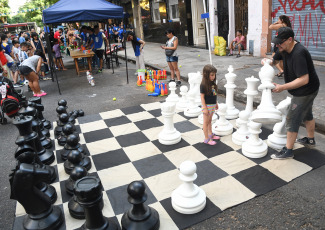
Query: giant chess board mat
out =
(123, 147)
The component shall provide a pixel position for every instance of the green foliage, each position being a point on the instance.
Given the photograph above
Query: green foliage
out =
(4, 8)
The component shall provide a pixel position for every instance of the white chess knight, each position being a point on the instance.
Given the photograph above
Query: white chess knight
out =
(188, 198)
(254, 147)
(266, 112)
(232, 112)
(172, 97)
(242, 134)
(250, 91)
(183, 102)
(222, 126)
(192, 109)
(278, 138)
(169, 135)
(195, 79)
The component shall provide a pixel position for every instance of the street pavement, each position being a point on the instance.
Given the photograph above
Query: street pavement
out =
(298, 205)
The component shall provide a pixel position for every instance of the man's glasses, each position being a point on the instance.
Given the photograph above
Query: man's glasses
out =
(280, 43)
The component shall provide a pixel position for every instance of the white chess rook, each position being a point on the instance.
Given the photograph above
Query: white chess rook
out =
(192, 109)
(222, 126)
(169, 135)
(232, 112)
(183, 102)
(172, 97)
(278, 138)
(242, 134)
(254, 147)
(188, 198)
(266, 112)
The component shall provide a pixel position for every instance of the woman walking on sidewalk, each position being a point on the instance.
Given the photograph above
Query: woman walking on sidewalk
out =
(171, 56)
(138, 45)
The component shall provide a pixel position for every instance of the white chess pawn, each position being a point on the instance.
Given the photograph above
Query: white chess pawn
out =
(254, 147)
(192, 109)
(278, 138)
(183, 102)
(172, 97)
(232, 112)
(169, 135)
(222, 126)
(242, 134)
(188, 198)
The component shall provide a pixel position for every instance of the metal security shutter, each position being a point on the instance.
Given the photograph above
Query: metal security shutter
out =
(308, 23)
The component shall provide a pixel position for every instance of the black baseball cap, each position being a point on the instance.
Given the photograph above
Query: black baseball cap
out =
(282, 34)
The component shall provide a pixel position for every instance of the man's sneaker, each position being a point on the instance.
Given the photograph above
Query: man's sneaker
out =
(238, 55)
(283, 154)
(309, 142)
(230, 54)
(178, 83)
(172, 80)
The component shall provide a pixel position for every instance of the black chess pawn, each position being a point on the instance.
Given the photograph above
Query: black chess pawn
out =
(77, 173)
(67, 129)
(63, 119)
(36, 125)
(140, 216)
(72, 144)
(76, 158)
(62, 102)
(30, 137)
(40, 108)
(61, 109)
(41, 214)
(88, 191)
(81, 113)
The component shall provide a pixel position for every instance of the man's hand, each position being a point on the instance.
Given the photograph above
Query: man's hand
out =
(278, 88)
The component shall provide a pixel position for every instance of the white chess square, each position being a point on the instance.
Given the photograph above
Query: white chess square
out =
(183, 154)
(134, 117)
(92, 126)
(228, 141)
(124, 129)
(111, 114)
(166, 223)
(103, 146)
(152, 134)
(193, 137)
(151, 106)
(140, 151)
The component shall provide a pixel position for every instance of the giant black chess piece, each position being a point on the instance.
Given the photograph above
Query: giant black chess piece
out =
(76, 158)
(30, 137)
(46, 132)
(140, 216)
(40, 108)
(41, 214)
(67, 129)
(63, 120)
(36, 126)
(88, 191)
(28, 156)
(72, 144)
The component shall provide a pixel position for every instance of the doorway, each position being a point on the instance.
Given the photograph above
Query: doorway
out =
(241, 16)
(199, 35)
(223, 18)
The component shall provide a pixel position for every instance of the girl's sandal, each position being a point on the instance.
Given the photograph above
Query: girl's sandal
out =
(209, 142)
(214, 137)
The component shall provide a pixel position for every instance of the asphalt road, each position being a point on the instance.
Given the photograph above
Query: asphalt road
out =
(298, 205)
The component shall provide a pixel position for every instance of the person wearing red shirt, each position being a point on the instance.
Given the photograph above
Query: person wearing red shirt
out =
(57, 34)
(238, 43)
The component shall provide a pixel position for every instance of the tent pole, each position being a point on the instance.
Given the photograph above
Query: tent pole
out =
(126, 56)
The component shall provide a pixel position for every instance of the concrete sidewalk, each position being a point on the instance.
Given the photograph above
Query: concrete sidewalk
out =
(193, 59)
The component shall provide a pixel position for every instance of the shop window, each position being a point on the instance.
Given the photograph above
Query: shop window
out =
(173, 12)
(155, 12)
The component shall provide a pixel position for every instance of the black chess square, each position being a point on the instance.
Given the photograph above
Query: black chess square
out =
(185, 126)
(259, 180)
(186, 117)
(132, 139)
(186, 220)
(148, 124)
(118, 198)
(213, 150)
(133, 109)
(117, 121)
(167, 148)
(208, 172)
(78, 129)
(89, 118)
(155, 112)
(105, 160)
(311, 157)
(265, 133)
(98, 135)
(154, 165)
(261, 160)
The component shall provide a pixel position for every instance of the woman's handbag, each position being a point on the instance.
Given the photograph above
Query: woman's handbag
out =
(169, 52)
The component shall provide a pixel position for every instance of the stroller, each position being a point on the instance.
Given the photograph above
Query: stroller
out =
(11, 100)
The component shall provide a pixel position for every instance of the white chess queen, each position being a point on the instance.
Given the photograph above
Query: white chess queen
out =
(208, 90)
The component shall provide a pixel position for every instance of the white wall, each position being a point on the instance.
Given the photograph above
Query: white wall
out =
(231, 12)
(255, 25)
(213, 21)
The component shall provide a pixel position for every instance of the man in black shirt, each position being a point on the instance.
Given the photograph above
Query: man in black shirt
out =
(302, 83)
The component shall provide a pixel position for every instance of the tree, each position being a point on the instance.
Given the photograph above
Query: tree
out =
(4, 9)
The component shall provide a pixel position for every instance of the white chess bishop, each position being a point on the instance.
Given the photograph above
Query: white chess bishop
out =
(278, 138)
(232, 112)
(242, 134)
(266, 112)
(172, 97)
(222, 126)
(183, 102)
(188, 198)
(254, 147)
(169, 135)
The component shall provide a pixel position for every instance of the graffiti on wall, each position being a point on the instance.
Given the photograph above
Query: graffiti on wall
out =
(307, 19)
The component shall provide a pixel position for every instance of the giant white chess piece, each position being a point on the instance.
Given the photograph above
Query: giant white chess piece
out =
(183, 102)
(188, 198)
(232, 112)
(169, 135)
(251, 91)
(192, 109)
(278, 138)
(222, 126)
(172, 97)
(214, 118)
(242, 134)
(195, 79)
(266, 112)
(254, 147)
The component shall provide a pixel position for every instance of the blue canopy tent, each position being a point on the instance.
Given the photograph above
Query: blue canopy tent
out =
(82, 11)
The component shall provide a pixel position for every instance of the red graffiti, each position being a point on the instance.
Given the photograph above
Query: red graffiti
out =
(299, 5)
